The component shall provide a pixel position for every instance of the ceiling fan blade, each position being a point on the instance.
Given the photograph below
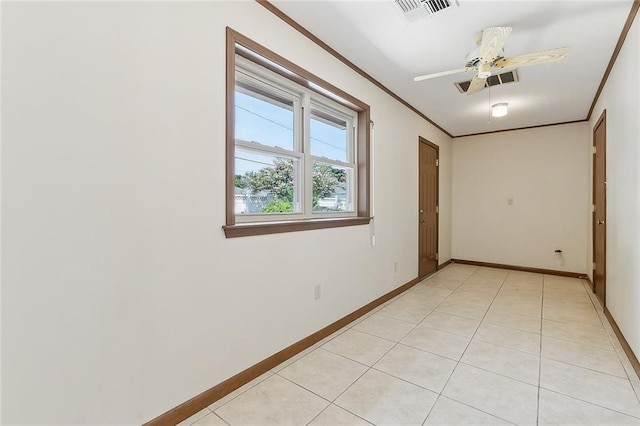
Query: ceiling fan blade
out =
(493, 39)
(477, 84)
(443, 73)
(544, 57)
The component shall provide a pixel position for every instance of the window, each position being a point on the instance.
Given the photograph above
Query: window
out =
(297, 147)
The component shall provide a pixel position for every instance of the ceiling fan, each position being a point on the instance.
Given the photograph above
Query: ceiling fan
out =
(489, 54)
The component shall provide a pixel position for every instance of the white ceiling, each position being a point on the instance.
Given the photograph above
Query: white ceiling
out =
(377, 37)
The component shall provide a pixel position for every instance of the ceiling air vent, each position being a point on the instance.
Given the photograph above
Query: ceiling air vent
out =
(496, 79)
(414, 9)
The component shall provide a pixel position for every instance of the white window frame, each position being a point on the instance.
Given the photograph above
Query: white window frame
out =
(331, 108)
(304, 100)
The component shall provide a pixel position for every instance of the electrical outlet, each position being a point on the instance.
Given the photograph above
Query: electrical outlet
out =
(317, 292)
(395, 266)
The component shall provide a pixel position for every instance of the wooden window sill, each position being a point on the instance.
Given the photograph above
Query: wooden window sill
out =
(264, 228)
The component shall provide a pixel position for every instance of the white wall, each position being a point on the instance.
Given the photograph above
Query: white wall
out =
(121, 298)
(544, 171)
(621, 99)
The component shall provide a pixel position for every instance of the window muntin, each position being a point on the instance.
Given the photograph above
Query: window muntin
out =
(294, 150)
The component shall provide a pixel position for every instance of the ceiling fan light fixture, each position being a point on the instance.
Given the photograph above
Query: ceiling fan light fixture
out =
(499, 110)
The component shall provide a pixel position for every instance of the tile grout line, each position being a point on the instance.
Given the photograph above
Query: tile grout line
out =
(386, 338)
(467, 347)
(507, 347)
(637, 391)
(586, 368)
(200, 418)
(457, 362)
(540, 352)
(339, 407)
(215, 414)
(240, 393)
(223, 420)
(603, 319)
(452, 291)
(460, 316)
(406, 292)
(407, 381)
(448, 332)
(345, 357)
(308, 390)
(579, 342)
(470, 406)
(589, 402)
(498, 374)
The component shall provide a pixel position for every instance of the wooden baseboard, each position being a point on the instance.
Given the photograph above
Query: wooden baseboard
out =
(623, 342)
(208, 397)
(590, 284)
(447, 263)
(521, 268)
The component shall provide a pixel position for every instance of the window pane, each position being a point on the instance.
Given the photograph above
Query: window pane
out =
(265, 183)
(328, 136)
(263, 118)
(331, 188)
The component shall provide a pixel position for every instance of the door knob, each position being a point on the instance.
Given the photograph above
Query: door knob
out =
(601, 222)
(421, 211)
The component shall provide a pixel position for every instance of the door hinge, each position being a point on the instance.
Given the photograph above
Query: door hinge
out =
(594, 149)
(437, 162)
(593, 207)
(437, 209)
(594, 266)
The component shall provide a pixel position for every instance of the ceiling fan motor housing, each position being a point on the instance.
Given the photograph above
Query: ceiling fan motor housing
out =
(484, 70)
(473, 58)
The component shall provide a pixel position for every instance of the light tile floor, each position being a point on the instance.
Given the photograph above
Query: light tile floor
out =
(468, 345)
